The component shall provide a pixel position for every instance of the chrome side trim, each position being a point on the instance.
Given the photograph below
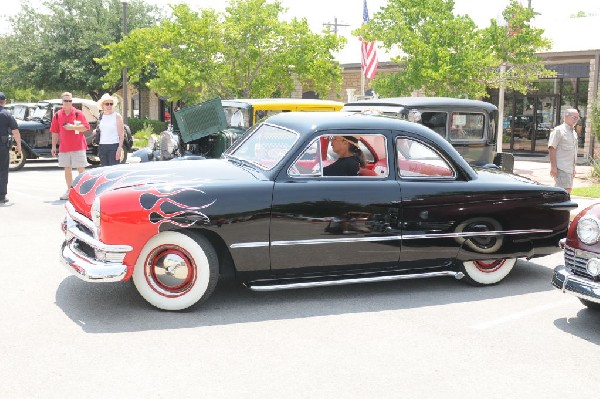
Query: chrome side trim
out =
(358, 280)
(260, 244)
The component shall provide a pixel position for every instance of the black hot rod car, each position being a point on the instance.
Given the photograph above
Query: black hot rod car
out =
(266, 215)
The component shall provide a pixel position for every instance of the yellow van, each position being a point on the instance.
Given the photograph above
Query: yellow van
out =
(246, 112)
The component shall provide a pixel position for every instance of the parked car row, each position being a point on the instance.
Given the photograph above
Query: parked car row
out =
(36, 139)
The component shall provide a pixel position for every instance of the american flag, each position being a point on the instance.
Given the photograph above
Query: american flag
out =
(368, 51)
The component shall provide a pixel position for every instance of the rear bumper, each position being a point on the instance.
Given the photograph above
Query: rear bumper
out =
(569, 283)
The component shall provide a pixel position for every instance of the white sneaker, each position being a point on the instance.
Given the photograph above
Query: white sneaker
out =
(65, 196)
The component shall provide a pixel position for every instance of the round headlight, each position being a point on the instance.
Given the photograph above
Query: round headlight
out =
(588, 230)
(593, 266)
(95, 211)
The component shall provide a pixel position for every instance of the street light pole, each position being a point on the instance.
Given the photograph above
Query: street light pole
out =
(125, 100)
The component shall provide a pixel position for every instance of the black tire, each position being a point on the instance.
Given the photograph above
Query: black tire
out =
(175, 271)
(16, 161)
(591, 305)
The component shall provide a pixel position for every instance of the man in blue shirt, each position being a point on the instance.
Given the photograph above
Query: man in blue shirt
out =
(8, 125)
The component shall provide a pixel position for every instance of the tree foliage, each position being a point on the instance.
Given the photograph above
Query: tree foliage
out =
(54, 47)
(447, 55)
(247, 51)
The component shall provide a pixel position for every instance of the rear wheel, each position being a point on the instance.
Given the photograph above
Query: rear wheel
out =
(175, 271)
(486, 272)
(16, 160)
(591, 305)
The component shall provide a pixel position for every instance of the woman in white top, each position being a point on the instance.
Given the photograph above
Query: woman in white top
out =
(112, 132)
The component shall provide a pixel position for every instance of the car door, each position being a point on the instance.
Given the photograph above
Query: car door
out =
(321, 223)
(433, 200)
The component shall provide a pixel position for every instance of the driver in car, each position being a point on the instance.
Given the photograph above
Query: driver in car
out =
(350, 157)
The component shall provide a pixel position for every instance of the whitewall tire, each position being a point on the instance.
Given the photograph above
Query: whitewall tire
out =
(175, 271)
(486, 272)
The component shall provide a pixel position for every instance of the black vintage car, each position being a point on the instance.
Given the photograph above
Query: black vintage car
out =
(36, 139)
(469, 125)
(266, 215)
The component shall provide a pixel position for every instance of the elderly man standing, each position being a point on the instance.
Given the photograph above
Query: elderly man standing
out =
(562, 148)
(68, 125)
(7, 124)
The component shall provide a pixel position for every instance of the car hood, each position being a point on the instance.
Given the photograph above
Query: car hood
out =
(172, 174)
(30, 125)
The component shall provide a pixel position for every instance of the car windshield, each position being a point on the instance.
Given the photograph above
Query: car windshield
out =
(265, 146)
(237, 117)
(41, 113)
(19, 111)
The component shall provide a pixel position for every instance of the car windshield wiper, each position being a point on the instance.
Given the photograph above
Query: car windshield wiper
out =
(241, 161)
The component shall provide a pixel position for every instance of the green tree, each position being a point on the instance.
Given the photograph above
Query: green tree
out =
(54, 47)
(447, 55)
(514, 46)
(247, 51)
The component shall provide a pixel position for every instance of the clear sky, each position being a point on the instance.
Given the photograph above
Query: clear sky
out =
(349, 12)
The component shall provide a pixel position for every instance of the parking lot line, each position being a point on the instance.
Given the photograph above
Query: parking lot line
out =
(519, 315)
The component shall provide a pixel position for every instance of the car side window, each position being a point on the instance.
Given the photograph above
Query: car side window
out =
(417, 160)
(436, 121)
(335, 155)
(467, 126)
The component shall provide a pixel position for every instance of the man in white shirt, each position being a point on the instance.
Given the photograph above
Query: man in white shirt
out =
(562, 148)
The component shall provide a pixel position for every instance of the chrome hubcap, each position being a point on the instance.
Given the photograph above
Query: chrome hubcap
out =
(170, 271)
(489, 266)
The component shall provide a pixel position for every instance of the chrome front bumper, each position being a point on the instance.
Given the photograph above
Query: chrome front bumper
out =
(569, 283)
(85, 255)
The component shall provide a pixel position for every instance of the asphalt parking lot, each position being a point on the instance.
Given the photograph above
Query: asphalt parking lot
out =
(62, 337)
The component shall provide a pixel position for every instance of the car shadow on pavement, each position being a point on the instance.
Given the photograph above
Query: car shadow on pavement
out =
(584, 326)
(117, 307)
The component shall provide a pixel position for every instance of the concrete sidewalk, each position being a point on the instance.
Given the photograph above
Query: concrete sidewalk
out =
(538, 169)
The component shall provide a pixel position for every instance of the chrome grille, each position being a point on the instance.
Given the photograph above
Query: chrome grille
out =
(84, 228)
(576, 261)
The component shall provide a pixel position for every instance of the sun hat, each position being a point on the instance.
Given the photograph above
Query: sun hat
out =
(107, 97)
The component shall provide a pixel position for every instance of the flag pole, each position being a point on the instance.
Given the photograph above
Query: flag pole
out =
(362, 81)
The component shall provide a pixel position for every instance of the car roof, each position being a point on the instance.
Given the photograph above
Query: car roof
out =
(307, 123)
(425, 102)
(21, 104)
(89, 107)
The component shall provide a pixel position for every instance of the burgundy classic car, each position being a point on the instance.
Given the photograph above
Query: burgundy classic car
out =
(580, 275)
(267, 215)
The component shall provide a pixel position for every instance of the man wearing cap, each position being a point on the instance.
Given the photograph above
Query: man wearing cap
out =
(68, 125)
(8, 125)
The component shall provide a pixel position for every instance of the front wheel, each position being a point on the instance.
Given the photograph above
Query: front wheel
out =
(175, 271)
(16, 160)
(487, 272)
(590, 305)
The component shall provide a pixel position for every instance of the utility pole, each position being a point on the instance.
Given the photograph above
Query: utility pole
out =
(335, 25)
